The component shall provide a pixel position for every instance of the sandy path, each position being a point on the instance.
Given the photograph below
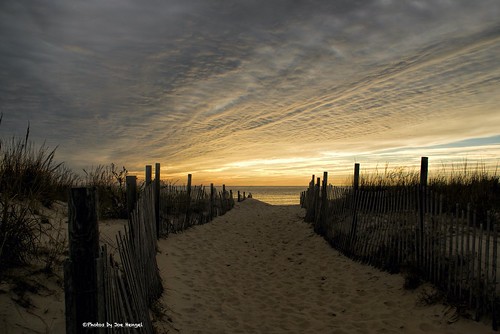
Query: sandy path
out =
(260, 269)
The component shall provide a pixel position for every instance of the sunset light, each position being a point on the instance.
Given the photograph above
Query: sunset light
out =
(250, 166)
(256, 92)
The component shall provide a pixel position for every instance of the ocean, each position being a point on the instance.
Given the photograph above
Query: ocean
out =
(272, 195)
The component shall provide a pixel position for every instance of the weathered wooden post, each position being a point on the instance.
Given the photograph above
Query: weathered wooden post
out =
(212, 192)
(355, 188)
(188, 200)
(355, 184)
(324, 204)
(157, 199)
(316, 202)
(131, 182)
(309, 202)
(224, 198)
(239, 196)
(190, 177)
(424, 167)
(149, 172)
(80, 271)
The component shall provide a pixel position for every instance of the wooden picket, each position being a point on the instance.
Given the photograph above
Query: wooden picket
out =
(402, 228)
(128, 282)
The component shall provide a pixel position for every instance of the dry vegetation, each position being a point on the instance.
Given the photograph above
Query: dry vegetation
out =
(111, 189)
(31, 181)
(460, 184)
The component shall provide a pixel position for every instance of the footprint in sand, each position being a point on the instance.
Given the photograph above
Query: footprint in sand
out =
(426, 327)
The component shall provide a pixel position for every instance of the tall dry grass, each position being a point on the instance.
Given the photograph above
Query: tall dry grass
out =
(460, 184)
(29, 177)
(111, 189)
(388, 178)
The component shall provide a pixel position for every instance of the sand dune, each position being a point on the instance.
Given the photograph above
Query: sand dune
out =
(261, 269)
(257, 269)
(32, 300)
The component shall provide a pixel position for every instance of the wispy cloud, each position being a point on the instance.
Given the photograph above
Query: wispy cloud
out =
(245, 90)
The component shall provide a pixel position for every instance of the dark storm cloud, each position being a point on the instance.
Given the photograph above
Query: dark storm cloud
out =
(187, 79)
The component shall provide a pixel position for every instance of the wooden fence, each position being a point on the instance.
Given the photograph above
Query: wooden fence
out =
(131, 284)
(184, 206)
(106, 292)
(406, 229)
(120, 289)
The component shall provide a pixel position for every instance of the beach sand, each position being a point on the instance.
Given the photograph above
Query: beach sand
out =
(257, 269)
(31, 299)
(261, 269)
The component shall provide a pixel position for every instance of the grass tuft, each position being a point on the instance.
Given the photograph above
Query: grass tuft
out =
(460, 184)
(110, 183)
(29, 175)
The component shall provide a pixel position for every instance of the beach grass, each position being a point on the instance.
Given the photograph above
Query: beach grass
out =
(30, 179)
(460, 184)
(111, 189)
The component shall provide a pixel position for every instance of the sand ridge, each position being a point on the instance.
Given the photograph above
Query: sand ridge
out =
(33, 300)
(261, 269)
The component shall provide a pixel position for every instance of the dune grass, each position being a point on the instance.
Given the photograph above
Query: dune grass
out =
(463, 184)
(30, 172)
(459, 183)
(29, 177)
(111, 189)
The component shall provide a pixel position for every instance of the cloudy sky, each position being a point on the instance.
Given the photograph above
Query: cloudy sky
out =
(253, 91)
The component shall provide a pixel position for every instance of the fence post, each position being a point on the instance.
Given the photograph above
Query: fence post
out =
(131, 182)
(309, 202)
(188, 204)
(80, 271)
(212, 190)
(239, 196)
(324, 204)
(157, 199)
(355, 184)
(190, 177)
(355, 188)
(224, 197)
(149, 172)
(424, 167)
(316, 202)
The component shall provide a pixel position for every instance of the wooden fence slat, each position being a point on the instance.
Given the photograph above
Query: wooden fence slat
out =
(487, 287)
(479, 291)
(461, 257)
(401, 227)
(494, 278)
(83, 251)
(468, 255)
(101, 294)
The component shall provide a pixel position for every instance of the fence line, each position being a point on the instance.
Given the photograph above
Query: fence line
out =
(406, 229)
(184, 206)
(128, 282)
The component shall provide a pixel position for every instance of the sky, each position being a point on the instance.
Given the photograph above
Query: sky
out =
(253, 92)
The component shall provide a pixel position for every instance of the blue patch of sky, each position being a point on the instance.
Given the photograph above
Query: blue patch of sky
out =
(470, 142)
